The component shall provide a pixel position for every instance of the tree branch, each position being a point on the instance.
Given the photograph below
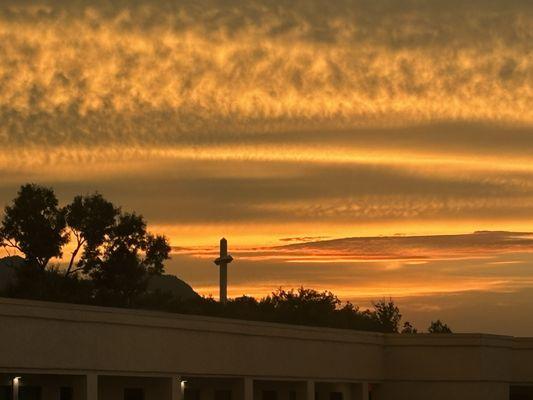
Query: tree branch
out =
(13, 245)
(74, 254)
(75, 270)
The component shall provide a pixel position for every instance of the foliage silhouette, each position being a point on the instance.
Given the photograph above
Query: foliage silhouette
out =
(387, 315)
(34, 225)
(300, 306)
(119, 255)
(439, 327)
(408, 328)
(128, 258)
(90, 219)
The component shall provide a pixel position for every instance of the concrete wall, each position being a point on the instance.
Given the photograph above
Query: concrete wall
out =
(521, 360)
(48, 336)
(135, 348)
(458, 366)
(460, 357)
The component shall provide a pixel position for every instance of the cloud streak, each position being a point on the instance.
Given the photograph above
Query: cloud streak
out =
(420, 249)
(148, 73)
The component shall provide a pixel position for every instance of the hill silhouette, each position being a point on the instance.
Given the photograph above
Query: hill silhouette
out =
(164, 283)
(172, 284)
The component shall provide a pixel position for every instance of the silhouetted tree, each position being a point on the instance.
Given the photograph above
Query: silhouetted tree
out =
(301, 306)
(302, 299)
(34, 225)
(387, 315)
(90, 219)
(49, 285)
(408, 328)
(439, 327)
(350, 317)
(128, 258)
(244, 307)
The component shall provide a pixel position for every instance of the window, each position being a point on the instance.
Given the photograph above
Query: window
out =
(66, 393)
(191, 394)
(29, 393)
(270, 395)
(521, 392)
(133, 394)
(5, 393)
(335, 396)
(222, 394)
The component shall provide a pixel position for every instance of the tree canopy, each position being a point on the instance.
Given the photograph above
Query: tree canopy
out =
(128, 258)
(35, 225)
(90, 219)
(439, 327)
(118, 254)
(387, 315)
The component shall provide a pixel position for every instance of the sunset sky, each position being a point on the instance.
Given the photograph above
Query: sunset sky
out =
(371, 148)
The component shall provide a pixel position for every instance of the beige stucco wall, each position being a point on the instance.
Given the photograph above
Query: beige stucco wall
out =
(38, 337)
(459, 366)
(48, 336)
(521, 360)
(460, 357)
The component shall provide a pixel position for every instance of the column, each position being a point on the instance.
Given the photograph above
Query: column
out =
(91, 386)
(248, 388)
(16, 385)
(310, 390)
(176, 388)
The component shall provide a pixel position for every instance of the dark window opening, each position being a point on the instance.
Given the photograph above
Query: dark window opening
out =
(29, 393)
(292, 395)
(222, 394)
(133, 394)
(6, 393)
(191, 394)
(270, 395)
(335, 396)
(521, 392)
(66, 393)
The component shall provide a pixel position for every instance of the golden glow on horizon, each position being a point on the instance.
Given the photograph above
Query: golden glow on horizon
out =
(396, 290)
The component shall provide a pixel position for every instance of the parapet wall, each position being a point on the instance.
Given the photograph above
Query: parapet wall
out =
(66, 338)
(60, 337)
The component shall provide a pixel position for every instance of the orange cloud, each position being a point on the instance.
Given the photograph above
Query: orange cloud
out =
(478, 245)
